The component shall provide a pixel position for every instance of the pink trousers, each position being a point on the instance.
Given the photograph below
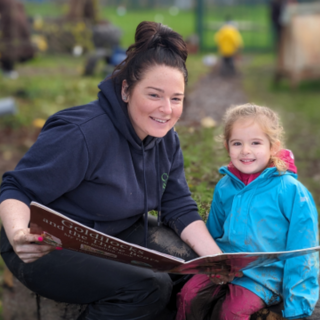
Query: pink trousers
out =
(239, 303)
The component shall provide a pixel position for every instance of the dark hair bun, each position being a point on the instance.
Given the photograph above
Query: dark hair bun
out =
(152, 35)
(155, 44)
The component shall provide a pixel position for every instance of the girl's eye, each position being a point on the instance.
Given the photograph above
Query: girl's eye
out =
(236, 144)
(255, 142)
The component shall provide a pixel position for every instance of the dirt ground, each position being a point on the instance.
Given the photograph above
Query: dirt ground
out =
(210, 97)
(13, 145)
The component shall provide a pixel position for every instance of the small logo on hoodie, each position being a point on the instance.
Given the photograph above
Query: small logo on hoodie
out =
(164, 179)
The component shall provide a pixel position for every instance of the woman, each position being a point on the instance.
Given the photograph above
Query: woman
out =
(106, 164)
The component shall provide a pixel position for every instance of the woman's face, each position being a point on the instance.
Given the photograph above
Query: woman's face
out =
(156, 102)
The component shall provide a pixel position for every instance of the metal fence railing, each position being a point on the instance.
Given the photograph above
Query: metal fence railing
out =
(204, 17)
(252, 18)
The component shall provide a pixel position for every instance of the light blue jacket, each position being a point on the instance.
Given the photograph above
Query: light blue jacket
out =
(272, 213)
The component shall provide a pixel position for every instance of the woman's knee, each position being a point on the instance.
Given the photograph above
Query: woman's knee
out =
(156, 290)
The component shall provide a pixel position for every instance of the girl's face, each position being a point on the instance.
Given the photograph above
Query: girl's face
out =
(156, 102)
(249, 147)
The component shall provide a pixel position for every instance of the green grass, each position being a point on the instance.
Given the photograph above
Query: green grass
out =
(50, 83)
(253, 20)
(47, 9)
(183, 23)
(201, 162)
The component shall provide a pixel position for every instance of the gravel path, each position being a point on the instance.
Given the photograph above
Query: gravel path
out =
(210, 97)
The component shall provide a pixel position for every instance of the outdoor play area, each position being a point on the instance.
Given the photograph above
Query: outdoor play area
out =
(55, 79)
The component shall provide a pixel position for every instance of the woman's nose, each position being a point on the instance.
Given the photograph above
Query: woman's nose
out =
(166, 106)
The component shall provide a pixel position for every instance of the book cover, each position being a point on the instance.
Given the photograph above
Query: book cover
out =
(59, 230)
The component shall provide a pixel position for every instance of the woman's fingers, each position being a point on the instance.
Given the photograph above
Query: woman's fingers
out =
(216, 279)
(223, 279)
(23, 236)
(32, 252)
(24, 244)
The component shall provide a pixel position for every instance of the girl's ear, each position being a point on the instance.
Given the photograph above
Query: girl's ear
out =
(276, 147)
(226, 145)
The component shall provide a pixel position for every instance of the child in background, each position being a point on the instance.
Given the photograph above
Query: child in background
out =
(258, 206)
(229, 42)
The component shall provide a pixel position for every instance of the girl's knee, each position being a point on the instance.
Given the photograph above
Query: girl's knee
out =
(192, 287)
(188, 293)
(240, 303)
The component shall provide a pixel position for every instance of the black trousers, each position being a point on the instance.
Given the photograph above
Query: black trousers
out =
(227, 67)
(112, 290)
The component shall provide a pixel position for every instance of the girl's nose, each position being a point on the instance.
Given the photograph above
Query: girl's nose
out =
(245, 149)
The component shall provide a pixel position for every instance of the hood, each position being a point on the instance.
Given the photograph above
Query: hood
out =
(110, 100)
(287, 156)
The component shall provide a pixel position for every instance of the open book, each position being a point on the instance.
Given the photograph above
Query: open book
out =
(59, 230)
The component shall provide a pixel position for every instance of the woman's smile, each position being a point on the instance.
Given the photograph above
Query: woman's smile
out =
(159, 120)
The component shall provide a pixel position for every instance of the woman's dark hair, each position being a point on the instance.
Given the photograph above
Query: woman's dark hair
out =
(155, 44)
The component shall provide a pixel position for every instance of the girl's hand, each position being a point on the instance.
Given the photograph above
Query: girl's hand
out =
(220, 279)
(26, 247)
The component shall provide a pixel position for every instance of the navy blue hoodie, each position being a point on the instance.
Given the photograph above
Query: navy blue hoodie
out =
(89, 164)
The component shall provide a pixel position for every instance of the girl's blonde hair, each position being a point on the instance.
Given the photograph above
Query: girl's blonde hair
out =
(267, 119)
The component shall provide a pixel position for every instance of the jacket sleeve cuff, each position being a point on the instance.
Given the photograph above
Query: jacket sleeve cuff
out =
(16, 195)
(295, 314)
(183, 221)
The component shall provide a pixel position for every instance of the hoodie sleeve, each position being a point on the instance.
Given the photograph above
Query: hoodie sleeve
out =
(300, 278)
(216, 216)
(178, 208)
(54, 165)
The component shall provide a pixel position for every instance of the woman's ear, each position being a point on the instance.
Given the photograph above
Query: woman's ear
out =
(276, 147)
(124, 91)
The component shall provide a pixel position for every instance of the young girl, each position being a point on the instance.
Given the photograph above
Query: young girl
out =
(258, 206)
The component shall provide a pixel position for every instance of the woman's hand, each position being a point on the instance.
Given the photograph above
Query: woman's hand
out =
(25, 246)
(15, 216)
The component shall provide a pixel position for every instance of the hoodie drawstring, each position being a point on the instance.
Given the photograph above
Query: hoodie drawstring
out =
(158, 187)
(145, 199)
(146, 194)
